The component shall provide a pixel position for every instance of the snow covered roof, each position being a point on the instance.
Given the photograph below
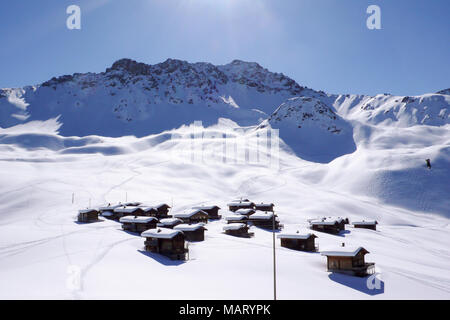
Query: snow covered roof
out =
(303, 236)
(245, 211)
(110, 207)
(240, 204)
(147, 209)
(127, 209)
(134, 219)
(206, 207)
(169, 221)
(235, 217)
(371, 222)
(107, 213)
(161, 205)
(264, 204)
(87, 210)
(133, 204)
(241, 200)
(160, 233)
(189, 214)
(189, 227)
(234, 226)
(343, 251)
(324, 222)
(262, 216)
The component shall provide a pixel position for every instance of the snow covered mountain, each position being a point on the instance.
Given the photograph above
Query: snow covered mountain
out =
(132, 98)
(63, 147)
(309, 127)
(139, 99)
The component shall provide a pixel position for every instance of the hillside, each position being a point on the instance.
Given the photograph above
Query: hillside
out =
(128, 134)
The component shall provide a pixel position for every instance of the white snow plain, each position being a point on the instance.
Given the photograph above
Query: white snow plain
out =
(46, 254)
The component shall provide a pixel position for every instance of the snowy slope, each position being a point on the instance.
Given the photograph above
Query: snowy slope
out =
(312, 129)
(87, 136)
(43, 248)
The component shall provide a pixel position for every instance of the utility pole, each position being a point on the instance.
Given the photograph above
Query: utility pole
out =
(274, 261)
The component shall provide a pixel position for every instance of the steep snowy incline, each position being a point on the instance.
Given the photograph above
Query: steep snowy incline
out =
(312, 129)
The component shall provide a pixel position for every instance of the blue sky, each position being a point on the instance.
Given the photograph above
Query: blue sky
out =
(323, 44)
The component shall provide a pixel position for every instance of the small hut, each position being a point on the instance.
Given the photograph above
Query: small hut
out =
(372, 225)
(349, 261)
(245, 212)
(125, 211)
(168, 242)
(109, 207)
(138, 224)
(107, 211)
(169, 222)
(149, 211)
(163, 210)
(192, 232)
(194, 216)
(212, 211)
(328, 226)
(88, 215)
(264, 206)
(233, 206)
(237, 230)
(238, 218)
(298, 241)
(109, 214)
(265, 220)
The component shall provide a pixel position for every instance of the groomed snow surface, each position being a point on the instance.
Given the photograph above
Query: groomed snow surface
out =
(46, 254)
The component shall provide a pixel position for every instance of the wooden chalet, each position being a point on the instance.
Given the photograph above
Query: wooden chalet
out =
(264, 206)
(88, 215)
(245, 212)
(169, 222)
(163, 211)
(138, 224)
(108, 211)
(237, 230)
(233, 206)
(192, 232)
(349, 261)
(328, 226)
(109, 207)
(372, 225)
(265, 220)
(238, 218)
(194, 216)
(212, 211)
(127, 211)
(168, 242)
(149, 211)
(299, 241)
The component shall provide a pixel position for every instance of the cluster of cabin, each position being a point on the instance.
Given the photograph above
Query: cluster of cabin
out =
(246, 212)
(168, 234)
(342, 260)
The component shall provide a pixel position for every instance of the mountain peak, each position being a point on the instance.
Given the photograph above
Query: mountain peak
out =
(131, 66)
